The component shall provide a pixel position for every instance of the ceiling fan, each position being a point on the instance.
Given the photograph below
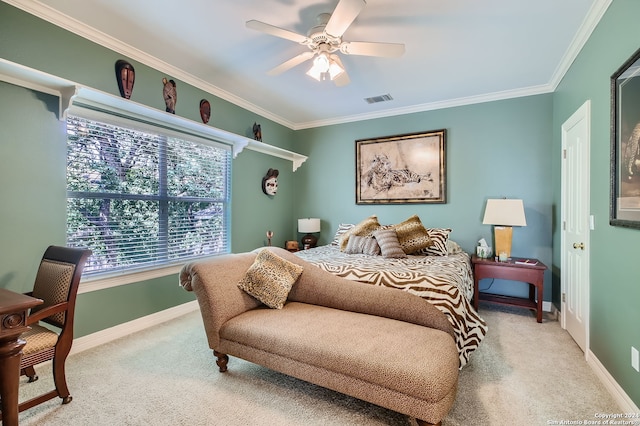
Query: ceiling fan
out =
(325, 39)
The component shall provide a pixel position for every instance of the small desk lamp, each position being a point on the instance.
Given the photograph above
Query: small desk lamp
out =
(503, 214)
(309, 226)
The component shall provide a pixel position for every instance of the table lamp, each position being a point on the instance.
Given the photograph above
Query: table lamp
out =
(309, 226)
(503, 214)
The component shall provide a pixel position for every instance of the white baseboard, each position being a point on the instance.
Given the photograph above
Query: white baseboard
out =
(103, 336)
(621, 397)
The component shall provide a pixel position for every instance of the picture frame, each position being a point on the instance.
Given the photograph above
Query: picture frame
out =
(402, 169)
(625, 141)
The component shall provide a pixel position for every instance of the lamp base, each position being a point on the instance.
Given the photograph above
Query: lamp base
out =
(503, 236)
(309, 241)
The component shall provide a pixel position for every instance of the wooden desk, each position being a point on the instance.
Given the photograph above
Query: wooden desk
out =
(14, 308)
(530, 274)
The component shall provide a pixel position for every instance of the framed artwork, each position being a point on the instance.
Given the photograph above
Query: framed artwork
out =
(625, 139)
(401, 169)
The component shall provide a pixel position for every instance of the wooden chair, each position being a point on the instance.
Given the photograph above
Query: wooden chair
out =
(56, 284)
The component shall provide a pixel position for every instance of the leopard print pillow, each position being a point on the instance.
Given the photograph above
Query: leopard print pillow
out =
(270, 279)
(412, 235)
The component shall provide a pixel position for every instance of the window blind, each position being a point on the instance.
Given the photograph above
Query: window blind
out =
(141, 197)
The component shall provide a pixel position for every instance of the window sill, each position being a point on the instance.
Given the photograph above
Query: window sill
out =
(101, 283)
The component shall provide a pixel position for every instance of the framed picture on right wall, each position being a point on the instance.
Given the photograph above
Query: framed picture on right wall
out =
(625, 144)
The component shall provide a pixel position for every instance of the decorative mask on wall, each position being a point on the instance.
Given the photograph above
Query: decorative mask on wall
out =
(205, 110)
(170, 95)
(126, 76)
(270, 182)
(257, 132)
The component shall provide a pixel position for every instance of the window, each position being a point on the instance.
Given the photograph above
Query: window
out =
(142, 197)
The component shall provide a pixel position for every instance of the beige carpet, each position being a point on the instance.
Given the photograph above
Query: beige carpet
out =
(524, 373)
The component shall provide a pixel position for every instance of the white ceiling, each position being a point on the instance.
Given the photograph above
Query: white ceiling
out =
(457, 51)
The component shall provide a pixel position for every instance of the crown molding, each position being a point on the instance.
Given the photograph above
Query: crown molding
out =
(589, 24)
(51, 15)
(81, 29)
(470, 100)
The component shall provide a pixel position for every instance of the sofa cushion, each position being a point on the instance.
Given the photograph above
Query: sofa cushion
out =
(270, 279)
(366, 350)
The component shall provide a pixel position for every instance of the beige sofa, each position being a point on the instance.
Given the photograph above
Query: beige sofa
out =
(377, 344)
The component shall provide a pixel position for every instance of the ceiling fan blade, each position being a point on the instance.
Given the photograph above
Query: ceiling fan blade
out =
(287, 65)
(364, 48)
(343, 78)
(277, 31)
(344, 14)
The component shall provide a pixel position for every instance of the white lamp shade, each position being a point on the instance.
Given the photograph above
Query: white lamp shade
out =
(308, 225)
(504, 212)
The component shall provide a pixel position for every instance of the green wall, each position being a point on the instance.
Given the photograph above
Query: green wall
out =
(33, 163)
(615, 270)
(493, 150)
(32, 182)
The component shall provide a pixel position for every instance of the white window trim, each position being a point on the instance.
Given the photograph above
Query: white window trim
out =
(103, 282)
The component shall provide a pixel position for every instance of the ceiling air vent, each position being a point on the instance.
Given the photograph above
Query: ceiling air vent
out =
(381, 98)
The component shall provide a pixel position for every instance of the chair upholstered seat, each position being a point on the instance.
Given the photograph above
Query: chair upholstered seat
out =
(38, 339)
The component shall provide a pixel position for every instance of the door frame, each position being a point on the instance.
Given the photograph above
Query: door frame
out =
(582, 113)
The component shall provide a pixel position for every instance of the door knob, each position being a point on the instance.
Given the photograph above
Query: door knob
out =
(578, 246)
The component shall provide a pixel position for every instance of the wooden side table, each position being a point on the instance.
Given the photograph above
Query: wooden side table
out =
(14, 308)
(530, 274)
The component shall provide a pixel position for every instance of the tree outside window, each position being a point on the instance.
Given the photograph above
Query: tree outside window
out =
(140, 199)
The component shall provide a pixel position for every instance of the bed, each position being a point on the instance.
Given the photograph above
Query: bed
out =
(445, 280)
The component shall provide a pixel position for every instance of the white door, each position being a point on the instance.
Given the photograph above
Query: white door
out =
(576, 225)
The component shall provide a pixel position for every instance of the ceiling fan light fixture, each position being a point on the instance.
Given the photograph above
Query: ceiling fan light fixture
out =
(324, 68)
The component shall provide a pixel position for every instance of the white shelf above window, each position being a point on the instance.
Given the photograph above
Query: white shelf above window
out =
(274, 151)
(74, 95)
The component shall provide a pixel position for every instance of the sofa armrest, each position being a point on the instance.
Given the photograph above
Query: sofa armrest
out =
(319, 287)
(215, 284)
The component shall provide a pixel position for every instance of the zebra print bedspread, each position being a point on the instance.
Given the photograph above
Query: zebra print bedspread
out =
(445, 281)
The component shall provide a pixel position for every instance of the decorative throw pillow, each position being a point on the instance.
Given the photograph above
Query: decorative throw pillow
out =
(389, 245)
(362, 245)
(370, 246)
(363, 229)
(354, 245)
(439, 236)
(270, 279)
(412, 235)
(453, 247)
(342, 228)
